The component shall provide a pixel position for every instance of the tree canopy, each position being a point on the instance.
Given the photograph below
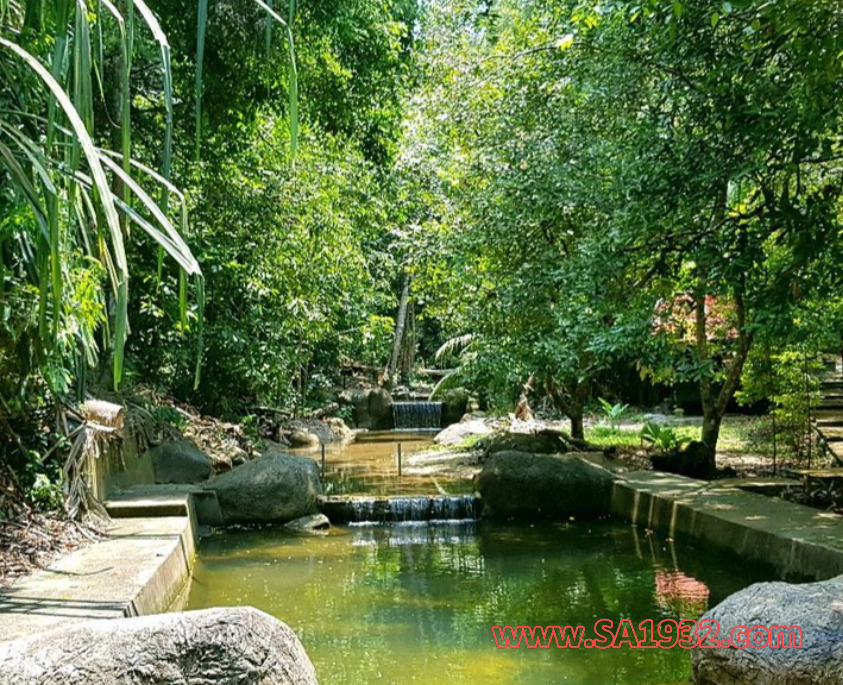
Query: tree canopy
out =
(227, 201)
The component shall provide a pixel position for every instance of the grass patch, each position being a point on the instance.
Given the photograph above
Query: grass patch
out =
(738, 435)
(603, 436)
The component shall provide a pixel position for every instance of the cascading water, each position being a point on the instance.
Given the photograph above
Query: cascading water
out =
(400, 509)
(409, 415)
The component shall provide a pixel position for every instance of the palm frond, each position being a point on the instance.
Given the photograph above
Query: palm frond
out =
(449, 381)
(454, 346)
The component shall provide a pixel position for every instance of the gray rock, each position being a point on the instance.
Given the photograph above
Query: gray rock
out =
(328, 430)
(691, 461)
(522, 485)
(303, 438)
(180, 462)
(817, 608)
(454, 405)
(339, 431)
(308, 524)
(534, 443)
(370, 409)
(358, 400)
(213, 647)
(274, 487)
(380, 408)
(459, 432)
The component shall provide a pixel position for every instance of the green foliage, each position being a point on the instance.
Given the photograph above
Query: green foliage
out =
(298, 259)
(613, 412)
(61, 197)
(789, 381)
(298, 269)
(663, 438)
(582, 169)
(168, 415)
(45, 494)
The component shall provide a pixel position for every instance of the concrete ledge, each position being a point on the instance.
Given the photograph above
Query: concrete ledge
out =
(139, 569)
(167, 500)
(799, 542)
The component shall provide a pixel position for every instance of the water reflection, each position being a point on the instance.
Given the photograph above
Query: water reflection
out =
(414, 603)
(370, 465)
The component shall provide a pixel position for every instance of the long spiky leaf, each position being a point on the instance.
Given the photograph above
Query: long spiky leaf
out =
(292, 75)
(101, 183)
(201, 27)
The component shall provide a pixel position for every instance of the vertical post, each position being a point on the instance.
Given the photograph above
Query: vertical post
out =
(807, 407)
(399, 460)
(323, 460)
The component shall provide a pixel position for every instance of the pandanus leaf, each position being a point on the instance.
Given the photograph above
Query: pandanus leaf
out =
(100, 181)
(201, 26)
(292, 72)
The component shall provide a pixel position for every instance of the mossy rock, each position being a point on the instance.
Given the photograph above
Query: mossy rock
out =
(532, 443)
(517, 485)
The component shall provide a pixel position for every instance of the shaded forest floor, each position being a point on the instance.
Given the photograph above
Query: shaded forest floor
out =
(32, 540)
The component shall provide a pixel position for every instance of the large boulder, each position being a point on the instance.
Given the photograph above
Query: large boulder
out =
(180, 462)
(521, 485)
(380, 409)
(301, 437)
(458, 433)
(535, 443)
(816, 608)
(213, 647)
(358, 400)
(692, 461)
(370, 409)
(454, 405)
(274, 487)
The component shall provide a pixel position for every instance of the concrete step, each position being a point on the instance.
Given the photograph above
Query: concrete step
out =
(818, 474)
(836, 449)
(147, 501)
(828, 417)
(831, 433)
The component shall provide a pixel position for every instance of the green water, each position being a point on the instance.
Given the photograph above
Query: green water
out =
(412, 603)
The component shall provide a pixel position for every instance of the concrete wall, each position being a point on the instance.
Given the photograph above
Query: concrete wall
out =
(121, 465)
(798, 541)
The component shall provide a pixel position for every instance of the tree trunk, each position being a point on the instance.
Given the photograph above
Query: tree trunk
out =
(400, 325)
(715, 404)
(711, 434)
(408, 346)
(577, 429)
(576, 410)
(570, 402)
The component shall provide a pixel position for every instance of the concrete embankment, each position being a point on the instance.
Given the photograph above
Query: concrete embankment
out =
(142, 567)
(799, 542)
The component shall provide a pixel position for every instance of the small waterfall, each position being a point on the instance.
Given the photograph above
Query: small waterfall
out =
(409, 509)
(417, 415)
(400, 509)
(454, 508)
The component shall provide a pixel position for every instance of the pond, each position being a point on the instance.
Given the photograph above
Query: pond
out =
(369, 465)
(409, 604)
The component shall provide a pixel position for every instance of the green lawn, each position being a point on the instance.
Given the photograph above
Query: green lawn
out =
(739, 434)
